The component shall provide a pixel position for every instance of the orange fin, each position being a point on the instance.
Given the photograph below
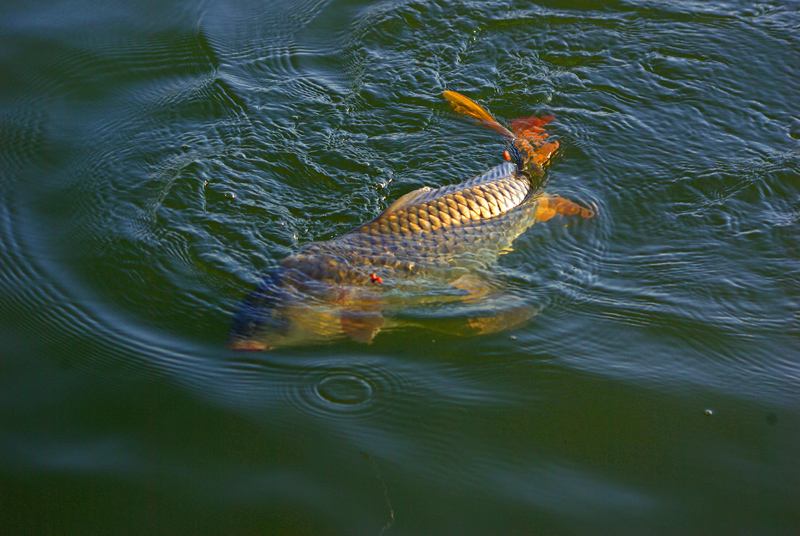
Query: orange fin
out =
(542, 154)
(475, 286)
(502, 320)
(530, 138)
(464, 105)
(549, 206)
(361, 326)
(524, 126)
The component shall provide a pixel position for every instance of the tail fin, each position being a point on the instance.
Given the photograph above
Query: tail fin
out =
(464, 105)
(531, 128)
(528, 136)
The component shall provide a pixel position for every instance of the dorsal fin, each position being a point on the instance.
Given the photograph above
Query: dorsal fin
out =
(407, 199)
(498, 172)
(426, 193)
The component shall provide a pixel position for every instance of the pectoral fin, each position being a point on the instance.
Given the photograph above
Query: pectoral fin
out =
(475, 286)
(502, 320)
(496, 322)
(361, 326)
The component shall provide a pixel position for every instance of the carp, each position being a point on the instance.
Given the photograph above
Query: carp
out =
(430, 246)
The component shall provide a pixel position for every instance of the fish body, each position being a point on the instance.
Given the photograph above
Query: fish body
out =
(426, 247)
(427, 230)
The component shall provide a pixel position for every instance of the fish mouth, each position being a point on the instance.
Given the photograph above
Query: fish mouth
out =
(248, 345)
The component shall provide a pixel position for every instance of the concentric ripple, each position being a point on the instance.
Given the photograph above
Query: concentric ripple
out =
(354, 392)
(344, 390)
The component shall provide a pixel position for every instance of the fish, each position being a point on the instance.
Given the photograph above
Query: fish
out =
(430, 246)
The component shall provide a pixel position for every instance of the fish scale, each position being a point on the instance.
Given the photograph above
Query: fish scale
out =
(484, 214)
(447, 207)
(438, 240)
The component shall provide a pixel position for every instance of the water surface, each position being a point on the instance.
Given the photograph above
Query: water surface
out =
(156, 157)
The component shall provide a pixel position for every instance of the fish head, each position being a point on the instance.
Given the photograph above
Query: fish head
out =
(259, 315)
(283, 312)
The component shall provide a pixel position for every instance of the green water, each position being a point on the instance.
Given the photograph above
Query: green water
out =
(157, 157)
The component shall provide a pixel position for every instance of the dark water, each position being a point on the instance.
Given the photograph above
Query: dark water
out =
(154, 159)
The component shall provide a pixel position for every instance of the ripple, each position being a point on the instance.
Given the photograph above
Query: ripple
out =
(331, 391)
(344, 390)
(155, 159)
(268, 136)
(21, 139)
